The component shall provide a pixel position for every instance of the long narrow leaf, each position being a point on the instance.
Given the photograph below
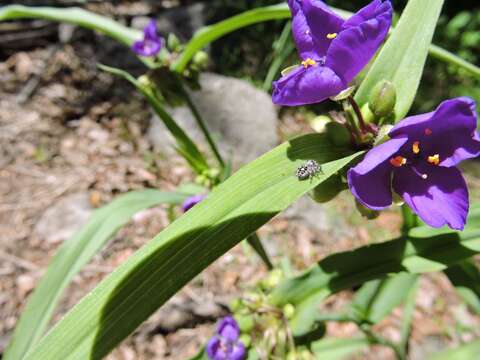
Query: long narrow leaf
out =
(465, 352)
(424, 250)
(466, 279)
(403, 57)
(185, 145)
(338, 349)
(72, 256)
(235, 209)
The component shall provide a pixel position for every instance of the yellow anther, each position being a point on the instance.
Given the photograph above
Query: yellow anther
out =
(428, 131)
(308, 62)
(398, 161)
(416, 147)
(332, 36)
(434, 159)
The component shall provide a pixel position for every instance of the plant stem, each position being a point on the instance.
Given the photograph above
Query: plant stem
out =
(255, 242)
(409, 219)
(202, 125)
(363, 127)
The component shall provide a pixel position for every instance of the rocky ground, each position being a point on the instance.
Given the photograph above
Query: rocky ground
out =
(72, 138)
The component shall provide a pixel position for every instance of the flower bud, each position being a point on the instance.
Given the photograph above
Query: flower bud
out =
(273, 279)
(245, 322)
(319, 123)
(383, 98)
(201, 59)
(338, 134)
(289, 311)
(246, 340)
(236, 305)
(173, 43)
(328, 189)
(366, 212)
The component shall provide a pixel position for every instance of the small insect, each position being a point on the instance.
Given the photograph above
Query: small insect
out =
(308, 170)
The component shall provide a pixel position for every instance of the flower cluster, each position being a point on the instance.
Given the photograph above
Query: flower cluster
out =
(419, 160)
(151, 44)
(226, 344)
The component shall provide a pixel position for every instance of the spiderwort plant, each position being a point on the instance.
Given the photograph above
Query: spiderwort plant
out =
(419, 163)
(151, 44)
(333, 51)
(226, 344)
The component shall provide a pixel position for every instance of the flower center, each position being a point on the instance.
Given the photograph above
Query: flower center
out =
(308, 62)
(332, 36)
(399, 161)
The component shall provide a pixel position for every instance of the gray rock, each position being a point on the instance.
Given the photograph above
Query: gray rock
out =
(319, 217)
(64, 218)
(241, 118)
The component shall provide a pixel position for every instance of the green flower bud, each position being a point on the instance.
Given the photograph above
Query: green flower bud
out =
(289, 311)
(383, 98)
(328, 189)
(236, 305)
(201, 59)
(173, 43)
(246, 323)
(246, 340)
(338, 134)
(273, 279)
(368, 115)
(319, 123)
(366, 212)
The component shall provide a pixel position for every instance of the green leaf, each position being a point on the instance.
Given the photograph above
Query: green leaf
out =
(466, 279)
(408, 313)
(402, 59)
(213, 32)
(377, 298)
(72, 256)
(465, 352)
(338, 349)
(423, 250)
(231, 212)
(186, 146)
(77, 16)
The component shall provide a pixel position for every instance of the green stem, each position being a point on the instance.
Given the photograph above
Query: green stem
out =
(408, 312)
(444, 55)
(410, 220)
(255, 242)
(201, 124)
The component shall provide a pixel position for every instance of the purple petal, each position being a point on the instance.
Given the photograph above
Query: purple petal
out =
(321, 21)
(301, 32)
(150, 31)
(228, 329)
(213, 346)
(440, 199)
(452, 129)
(359, 40)
(238, 351)
(307, 86)
(370, 180)
(192, 201)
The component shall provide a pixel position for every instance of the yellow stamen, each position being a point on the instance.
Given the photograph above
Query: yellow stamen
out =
(332, 36)
(398, 161)
(428, 131)
(308, 62)
(416, 147)
(434, 159)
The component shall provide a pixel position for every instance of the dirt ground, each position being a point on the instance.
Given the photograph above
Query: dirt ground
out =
(67, 128)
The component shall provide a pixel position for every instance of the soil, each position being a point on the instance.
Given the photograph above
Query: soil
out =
(67, 128)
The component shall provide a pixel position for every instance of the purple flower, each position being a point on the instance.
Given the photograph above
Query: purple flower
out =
(419, 162)
(333, 51)
(151, 44)
(192, 201)
(225, 344)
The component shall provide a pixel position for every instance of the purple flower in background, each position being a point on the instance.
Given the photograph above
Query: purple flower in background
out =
(192, 201)
(151, 44)
(419, 162)
(333, 51)
(225, 344)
